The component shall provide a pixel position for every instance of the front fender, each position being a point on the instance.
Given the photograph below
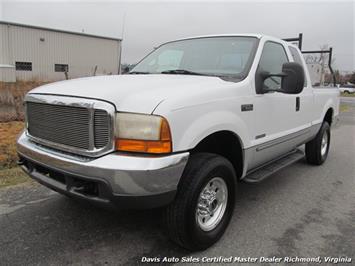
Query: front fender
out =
(190, 130)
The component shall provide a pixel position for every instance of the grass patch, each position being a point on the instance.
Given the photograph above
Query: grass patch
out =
(13, 176)
(8, 135)
(11, 98)
(344, 108)
(9, 174)
(343, 94)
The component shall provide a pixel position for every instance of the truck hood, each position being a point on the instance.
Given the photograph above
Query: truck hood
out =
(133, 93)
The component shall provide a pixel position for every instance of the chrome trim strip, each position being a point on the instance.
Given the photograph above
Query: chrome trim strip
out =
(283, 139)
(90, 104)
(267, 151)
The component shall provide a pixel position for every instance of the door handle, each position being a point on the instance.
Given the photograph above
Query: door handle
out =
(298, 103)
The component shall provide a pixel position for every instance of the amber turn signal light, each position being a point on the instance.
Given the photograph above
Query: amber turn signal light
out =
(148, 146)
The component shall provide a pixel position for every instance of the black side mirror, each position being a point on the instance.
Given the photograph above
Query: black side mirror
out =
(293, 82)
(292, 79)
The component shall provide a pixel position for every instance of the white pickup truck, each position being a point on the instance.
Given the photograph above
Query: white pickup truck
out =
(190, 121)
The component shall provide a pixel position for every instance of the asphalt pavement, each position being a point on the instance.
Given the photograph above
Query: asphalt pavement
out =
(301, 211)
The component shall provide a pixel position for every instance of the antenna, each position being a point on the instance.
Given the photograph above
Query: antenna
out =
(123, 24)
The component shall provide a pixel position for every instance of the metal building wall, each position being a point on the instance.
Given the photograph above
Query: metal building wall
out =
(45, 48)
(7, 70)
(4, 45)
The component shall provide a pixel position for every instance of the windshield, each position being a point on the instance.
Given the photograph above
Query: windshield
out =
(215, 56)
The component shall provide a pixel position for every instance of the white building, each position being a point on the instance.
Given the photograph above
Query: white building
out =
(31, 52)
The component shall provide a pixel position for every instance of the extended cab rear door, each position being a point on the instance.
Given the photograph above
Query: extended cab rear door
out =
(307, 110)
(281, 121)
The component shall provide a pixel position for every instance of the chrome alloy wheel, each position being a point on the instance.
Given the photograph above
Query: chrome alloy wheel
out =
(212, 204)
(324, 144)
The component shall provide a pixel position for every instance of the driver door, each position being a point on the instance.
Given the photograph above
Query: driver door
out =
(275, 112)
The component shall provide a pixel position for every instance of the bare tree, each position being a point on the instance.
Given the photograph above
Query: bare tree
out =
(321, 60)
(352, 78)
(66, 69)
(95, 69)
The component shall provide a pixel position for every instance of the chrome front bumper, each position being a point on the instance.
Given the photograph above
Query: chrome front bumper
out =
(124, 176)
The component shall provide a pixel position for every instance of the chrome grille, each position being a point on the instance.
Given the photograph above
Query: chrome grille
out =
(101, 128)
(75, 127)
(65, 125)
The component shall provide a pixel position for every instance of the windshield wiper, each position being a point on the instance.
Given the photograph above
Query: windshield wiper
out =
(138, 72)
(182, 72)
(188, 72)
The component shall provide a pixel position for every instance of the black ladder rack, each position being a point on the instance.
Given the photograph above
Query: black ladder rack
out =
(299, 39)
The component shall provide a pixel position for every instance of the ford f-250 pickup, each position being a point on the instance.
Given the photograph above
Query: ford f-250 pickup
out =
(190, 120)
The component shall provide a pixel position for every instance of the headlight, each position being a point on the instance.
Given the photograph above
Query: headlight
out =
(142, 133)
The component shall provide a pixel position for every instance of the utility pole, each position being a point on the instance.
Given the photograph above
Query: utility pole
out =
(120, 52)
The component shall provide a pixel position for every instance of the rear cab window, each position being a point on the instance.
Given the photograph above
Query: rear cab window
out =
(297, 58)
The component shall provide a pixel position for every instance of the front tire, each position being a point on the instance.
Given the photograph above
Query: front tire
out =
(317, 149)
(204, 202)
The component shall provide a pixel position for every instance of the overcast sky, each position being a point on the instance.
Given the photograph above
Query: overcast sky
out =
(149, 23)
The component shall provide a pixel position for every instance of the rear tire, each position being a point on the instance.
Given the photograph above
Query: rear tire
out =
(204, 202)
(317, 149)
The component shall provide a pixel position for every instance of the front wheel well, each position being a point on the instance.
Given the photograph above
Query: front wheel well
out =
(226, 144)
(329, 116)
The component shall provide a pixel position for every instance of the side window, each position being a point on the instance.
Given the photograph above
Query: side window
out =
(297, 58)
(272, 59)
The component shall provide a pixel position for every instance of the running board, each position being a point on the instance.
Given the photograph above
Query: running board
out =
(265, 171)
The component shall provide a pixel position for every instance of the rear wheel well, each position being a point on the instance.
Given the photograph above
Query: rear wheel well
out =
(226, 144)
(329, 116)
